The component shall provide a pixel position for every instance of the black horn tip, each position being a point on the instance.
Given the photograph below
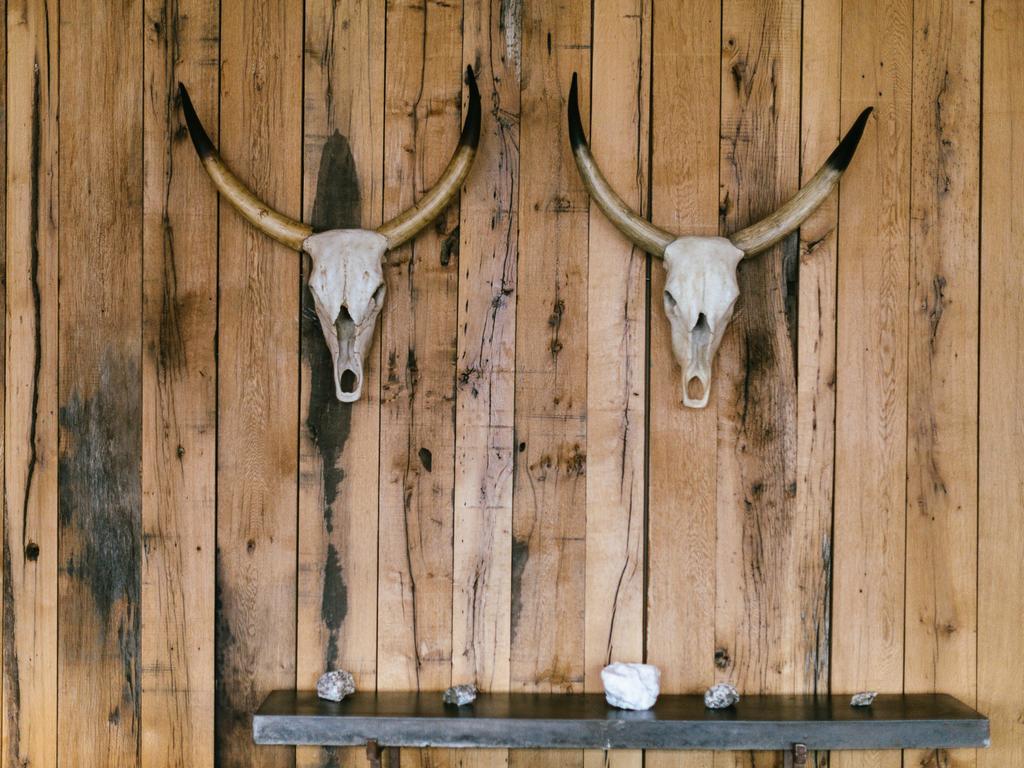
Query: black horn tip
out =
(843, 154)
(576, 136)
(471, 130)
(201, 141)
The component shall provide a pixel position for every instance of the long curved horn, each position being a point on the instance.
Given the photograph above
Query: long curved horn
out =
(644, 234)
(405, 225)
(284, 229)
(793, 212)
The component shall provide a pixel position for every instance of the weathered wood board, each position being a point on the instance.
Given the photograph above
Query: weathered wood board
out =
(99, 378)
(30, 383)
(192, 519)
(343, 113)
(872, 355)
(762, 558)
(1000, 588)
(257, 377)
(179, 393)
(942, 410)
(682, 458)
(616, 351)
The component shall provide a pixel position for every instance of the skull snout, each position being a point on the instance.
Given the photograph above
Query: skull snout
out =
(348, 364)
(697, 377)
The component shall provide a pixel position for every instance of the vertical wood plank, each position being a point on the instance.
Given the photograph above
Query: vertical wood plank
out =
(871, 403)
(941, 599)
(549, 518)
(762, 551)
(4, 579)
(616, 353)
(260, 132)
(423, 96)
(30, 412)
(339, 443)
(682, 461)
(179, 396)
(100, 315)
(1001, 418)
(816, 340)
(485, 388)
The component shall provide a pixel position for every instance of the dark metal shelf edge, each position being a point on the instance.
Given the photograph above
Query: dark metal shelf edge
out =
(963, 728)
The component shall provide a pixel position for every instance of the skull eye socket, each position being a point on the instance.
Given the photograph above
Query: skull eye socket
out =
(670, 300)
(378, 295)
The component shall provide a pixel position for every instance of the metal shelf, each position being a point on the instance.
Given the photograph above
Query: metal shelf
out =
(585, 721)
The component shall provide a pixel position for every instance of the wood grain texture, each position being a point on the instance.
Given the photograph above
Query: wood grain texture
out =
(485, 441)
(871, 410)
(520, 495)
(616, 352)
(1001, 389)
(549, 518)
(338, 477)
(179, 395)
(485, 399)
(942, 488)
(258, 378)
(820, 131)
(682, 460)
(3, 331)
(100, 409)
(423, 97)
(762, 551)
(30, 356)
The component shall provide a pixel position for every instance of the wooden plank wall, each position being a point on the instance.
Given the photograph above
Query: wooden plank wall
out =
(191, 519)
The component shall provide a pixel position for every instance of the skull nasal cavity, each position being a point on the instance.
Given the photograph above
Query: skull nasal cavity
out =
(701, 326)
(348, 381)
(695, 388)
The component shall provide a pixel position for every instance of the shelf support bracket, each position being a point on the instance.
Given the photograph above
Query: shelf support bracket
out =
(374, 752)
(796, 757)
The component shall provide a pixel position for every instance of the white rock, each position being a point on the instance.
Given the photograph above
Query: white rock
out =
(631, 686)
(335, 685)
(460, 695)
(863, 699)
(721, 696)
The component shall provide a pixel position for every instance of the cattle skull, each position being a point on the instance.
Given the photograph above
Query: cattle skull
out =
(701, 288)
(346, 277)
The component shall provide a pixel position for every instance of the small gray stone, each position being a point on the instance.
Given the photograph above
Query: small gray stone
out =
(335, 685)
(863, 699)
(720, 696)
(460, 695)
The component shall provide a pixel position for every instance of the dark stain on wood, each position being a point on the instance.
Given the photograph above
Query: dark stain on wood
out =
(334, 604)
(100, 495)
(37, 350)
(231, 721)
(520, 554)
(426, 459)
(12, 687)
(337, 206)
(338, 199)
(99, 509)
(450, 247)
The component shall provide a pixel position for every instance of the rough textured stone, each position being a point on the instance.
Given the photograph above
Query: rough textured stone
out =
(863, 699)
(631, 686)
(721, 696)
(460, 695)
(335, 685)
